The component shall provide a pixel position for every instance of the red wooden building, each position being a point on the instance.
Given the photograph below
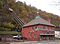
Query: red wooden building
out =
(38, 29)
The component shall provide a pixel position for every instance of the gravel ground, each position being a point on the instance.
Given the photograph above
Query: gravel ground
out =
(37, 42)
(4, 43)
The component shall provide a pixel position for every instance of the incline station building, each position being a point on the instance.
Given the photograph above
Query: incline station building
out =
(38, 29)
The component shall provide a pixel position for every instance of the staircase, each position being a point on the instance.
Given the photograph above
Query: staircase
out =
(13, 15)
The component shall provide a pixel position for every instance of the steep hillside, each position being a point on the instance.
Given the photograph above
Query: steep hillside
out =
(25, 12)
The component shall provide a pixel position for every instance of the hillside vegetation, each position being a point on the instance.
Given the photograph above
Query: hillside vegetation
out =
(25, 12)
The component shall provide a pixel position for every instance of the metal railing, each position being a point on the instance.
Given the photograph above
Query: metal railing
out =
(14, 16)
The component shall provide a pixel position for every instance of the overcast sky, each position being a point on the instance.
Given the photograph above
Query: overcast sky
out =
(50, 6)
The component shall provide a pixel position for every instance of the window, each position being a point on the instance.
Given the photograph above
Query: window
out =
(35, 28)
(45, 27)
(39, 27)
(35, 36)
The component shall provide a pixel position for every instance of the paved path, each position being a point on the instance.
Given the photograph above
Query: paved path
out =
(38, 42)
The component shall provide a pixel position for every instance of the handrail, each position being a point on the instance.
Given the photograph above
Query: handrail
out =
(12, 14)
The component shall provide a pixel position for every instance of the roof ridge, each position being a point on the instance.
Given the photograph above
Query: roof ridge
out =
(39, 20)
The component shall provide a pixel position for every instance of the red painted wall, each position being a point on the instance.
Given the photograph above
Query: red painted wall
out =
(31, 34)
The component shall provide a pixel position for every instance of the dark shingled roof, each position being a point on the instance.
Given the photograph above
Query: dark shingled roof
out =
(38, 20)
